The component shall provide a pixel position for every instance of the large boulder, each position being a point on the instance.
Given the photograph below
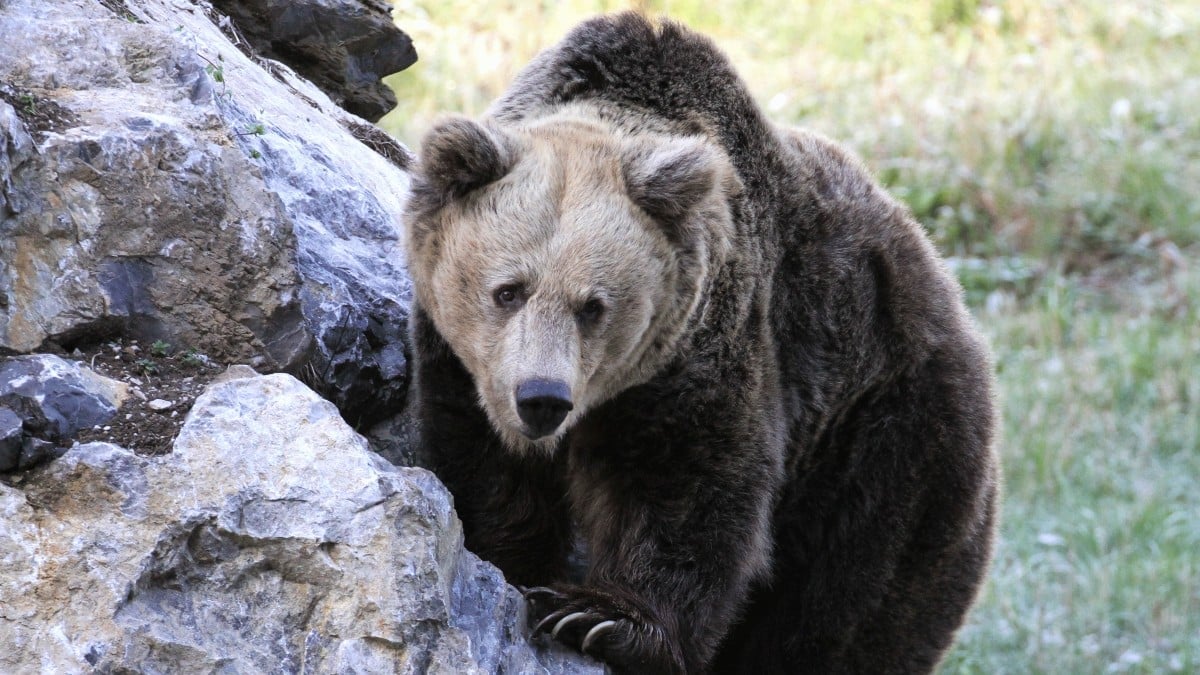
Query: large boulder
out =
(161, 182)
(271, 540)
(164, 177)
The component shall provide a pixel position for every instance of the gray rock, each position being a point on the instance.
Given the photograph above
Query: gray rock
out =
(270, 540)
(141, 217)
(11, 433)
(158, 182)
(396, 439)
(345, 47)
(159, 404)
(55, 397)
(72, 396)
(36, 451)
(16, 146)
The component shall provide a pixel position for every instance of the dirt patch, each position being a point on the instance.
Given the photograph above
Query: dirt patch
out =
(40, 115)
(163, 384)
(381, 142)
(119, 8)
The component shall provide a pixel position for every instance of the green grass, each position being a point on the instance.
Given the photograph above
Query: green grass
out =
(1052, 150)
(1098, 568)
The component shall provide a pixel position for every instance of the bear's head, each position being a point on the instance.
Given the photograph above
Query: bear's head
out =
(562, 260)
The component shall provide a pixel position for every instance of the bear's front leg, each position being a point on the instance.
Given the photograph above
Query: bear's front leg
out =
(513, 508)
(677, 517)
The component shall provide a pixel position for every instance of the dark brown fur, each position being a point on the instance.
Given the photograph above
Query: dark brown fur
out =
(835, 381)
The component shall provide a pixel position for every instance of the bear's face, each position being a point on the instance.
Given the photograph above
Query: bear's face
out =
(561, 263)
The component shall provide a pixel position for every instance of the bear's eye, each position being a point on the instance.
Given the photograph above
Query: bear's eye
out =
(510, 296)
(591, 311)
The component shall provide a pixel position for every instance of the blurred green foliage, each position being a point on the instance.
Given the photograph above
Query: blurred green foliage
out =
(1060, 131)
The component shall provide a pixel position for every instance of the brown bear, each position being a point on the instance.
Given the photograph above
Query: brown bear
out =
(712, 351)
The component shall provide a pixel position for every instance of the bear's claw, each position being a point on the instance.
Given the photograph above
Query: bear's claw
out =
(564, 621)
(597, 631)
(558, 619)
(540, 593)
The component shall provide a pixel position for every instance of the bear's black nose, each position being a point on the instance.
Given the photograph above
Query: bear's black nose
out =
(542, 405)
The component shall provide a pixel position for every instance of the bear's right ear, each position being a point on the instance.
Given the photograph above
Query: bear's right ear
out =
(458, 156)
(668, 180)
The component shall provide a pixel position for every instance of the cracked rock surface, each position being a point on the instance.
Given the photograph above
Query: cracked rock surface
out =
(159, 182)
(174, 191)
(271, 540)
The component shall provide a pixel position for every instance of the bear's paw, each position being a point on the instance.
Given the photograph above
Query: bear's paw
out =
(606, 625)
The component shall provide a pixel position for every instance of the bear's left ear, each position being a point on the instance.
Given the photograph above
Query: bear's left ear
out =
(668, 180)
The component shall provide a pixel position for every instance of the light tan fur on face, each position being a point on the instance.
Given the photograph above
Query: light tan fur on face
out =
(561, 224)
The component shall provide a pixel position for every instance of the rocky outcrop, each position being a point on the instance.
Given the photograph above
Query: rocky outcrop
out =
(345, 47)
(160, 182)
(166, 177)
(271, 540)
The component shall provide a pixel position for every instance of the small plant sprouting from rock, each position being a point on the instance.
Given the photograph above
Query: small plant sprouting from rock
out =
(161, 351)
(160, 348)
(146, 366)
(193, 359)
(38, 110)
(257, 129)
(217, 72)
(146, 425)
